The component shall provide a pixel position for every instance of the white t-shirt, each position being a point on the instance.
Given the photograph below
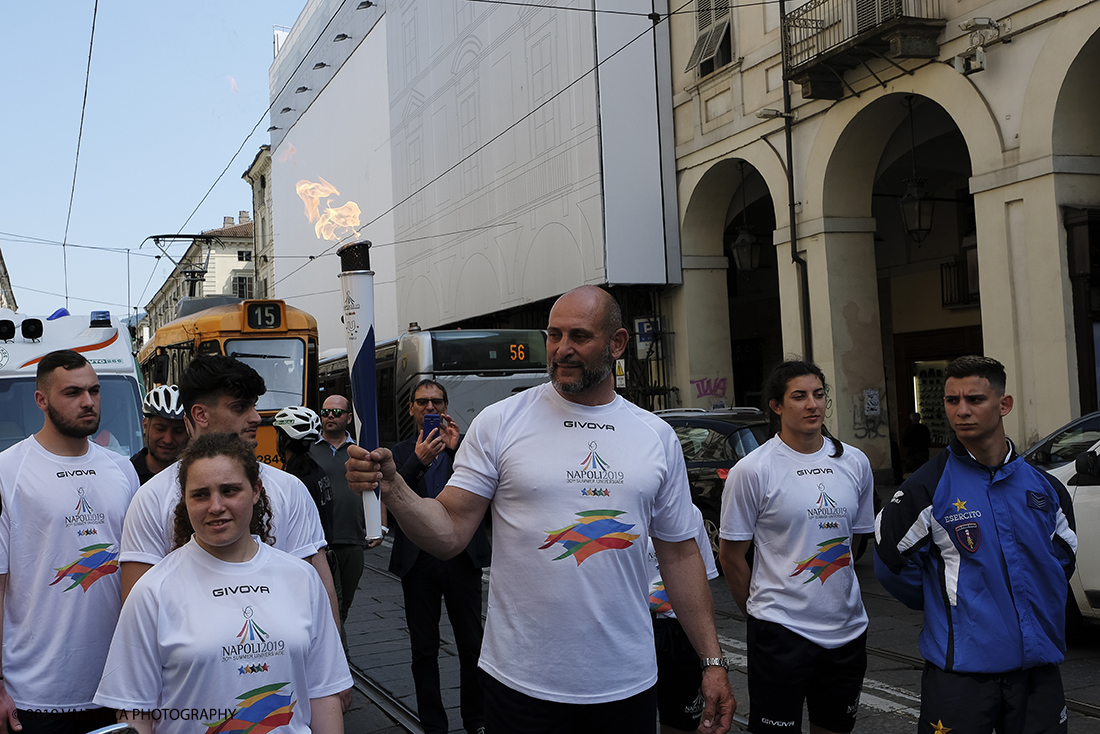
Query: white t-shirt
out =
(60, 529)
(150, 523)
(801, 511)
(575, 491)
(201, 640)
(658, 597)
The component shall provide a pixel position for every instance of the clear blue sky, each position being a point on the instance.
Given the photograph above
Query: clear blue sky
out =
(175, 88)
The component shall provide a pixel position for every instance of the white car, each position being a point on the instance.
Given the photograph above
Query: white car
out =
(1084, 489)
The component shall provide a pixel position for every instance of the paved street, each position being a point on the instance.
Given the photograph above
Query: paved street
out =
(890, 702)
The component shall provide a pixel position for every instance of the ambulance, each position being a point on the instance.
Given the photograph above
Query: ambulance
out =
(103, 340)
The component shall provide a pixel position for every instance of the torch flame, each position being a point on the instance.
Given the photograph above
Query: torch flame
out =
(329, 223)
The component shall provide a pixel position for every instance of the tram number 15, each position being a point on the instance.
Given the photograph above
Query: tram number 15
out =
(264, 316)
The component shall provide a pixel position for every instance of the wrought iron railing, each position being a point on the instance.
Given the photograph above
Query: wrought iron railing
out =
(821, 26)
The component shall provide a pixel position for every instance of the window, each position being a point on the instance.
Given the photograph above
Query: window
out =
(242, 286)
(713, 48)
(244, 256)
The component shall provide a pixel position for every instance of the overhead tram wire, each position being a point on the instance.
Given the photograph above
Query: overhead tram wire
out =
(487, 143)
(678, 11)
(76, 163)
(27, 240)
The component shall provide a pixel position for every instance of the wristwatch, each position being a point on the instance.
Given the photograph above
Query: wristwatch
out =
(720, 662)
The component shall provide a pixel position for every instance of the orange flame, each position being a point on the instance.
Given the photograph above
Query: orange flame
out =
(330, 223)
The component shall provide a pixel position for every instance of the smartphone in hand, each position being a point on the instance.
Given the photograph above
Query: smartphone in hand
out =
(431, 422)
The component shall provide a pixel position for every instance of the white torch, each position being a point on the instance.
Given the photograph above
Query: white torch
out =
(357, 288)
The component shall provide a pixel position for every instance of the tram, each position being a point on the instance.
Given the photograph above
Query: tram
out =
(478, 368)
(277, 340)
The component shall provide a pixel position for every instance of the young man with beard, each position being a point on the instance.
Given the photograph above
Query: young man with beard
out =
(426, 462)
(163, 429)
(63, 500)
(984, 543)
(575, 477)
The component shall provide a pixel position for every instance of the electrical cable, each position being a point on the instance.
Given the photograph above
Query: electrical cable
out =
(76, 163)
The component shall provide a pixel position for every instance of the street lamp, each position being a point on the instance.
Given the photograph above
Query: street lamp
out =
(746, 248)
(916, 205)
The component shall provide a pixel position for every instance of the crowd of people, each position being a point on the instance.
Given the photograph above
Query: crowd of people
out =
(193, 586)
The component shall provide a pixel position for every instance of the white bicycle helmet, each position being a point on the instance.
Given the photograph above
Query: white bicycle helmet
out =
(163, 401)
(297, 421)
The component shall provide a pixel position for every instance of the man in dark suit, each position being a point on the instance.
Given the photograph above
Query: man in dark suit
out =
(426, 463)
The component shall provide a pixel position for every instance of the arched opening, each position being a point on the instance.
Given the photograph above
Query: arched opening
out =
(927, 274)
(1075, 135)
(752, 282)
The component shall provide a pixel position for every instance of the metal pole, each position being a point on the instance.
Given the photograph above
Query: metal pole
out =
(357, 289)
(788, 127)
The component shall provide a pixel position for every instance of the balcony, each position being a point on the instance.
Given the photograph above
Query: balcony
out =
(825, 38)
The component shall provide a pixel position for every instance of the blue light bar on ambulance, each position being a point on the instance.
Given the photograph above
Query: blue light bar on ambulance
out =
(100, 318)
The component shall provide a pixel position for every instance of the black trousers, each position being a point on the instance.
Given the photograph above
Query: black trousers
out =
(458, 583)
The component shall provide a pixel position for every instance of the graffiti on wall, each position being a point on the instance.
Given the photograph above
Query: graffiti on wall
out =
(709, 387)
(868, 418)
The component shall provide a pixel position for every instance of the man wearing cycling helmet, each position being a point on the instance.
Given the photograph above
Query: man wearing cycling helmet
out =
(164, 431)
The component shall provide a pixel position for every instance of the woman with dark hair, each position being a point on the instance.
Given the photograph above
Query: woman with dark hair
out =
(180, 654)
(798, 500)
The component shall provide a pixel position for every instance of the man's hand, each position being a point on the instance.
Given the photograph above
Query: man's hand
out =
(719, 701)
(7, 710)
(428, 447)
(450, 433)
(368, 469)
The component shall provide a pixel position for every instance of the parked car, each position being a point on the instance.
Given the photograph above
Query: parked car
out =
(713, 441)
(1056, 454)
(1065, 444)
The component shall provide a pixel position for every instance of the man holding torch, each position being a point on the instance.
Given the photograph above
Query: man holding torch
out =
(574, 476)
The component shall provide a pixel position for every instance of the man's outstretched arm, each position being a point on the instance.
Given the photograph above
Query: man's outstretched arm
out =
(442, 526)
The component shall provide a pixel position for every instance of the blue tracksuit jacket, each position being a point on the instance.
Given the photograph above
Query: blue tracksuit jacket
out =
(987, 552)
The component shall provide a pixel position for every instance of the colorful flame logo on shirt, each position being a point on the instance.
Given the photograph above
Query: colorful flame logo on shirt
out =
(95, 562)
(593, 462)
(251, 631)
(597, 530)
(82, 506)
(261, 710)
(834, 555)
(658, 599)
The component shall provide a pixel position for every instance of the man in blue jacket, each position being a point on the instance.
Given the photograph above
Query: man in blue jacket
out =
(984, 543)
(426, 462)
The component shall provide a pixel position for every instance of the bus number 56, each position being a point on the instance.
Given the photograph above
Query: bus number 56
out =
(518, 352)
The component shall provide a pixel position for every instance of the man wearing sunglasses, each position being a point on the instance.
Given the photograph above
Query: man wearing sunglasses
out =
(426, 462)
(348, 529)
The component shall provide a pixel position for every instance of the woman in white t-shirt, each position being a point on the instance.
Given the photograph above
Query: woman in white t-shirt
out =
(226, 633)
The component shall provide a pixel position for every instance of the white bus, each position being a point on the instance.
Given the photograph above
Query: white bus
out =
(477, 366)
(106, 344)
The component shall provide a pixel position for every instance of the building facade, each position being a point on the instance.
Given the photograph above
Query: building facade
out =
(220, 262)
(982, 114)
(495, 155)
(257, 176)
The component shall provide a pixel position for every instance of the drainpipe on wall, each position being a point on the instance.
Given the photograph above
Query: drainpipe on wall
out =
(803, 268)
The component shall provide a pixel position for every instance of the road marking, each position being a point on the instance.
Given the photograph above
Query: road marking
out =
(866, 700)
